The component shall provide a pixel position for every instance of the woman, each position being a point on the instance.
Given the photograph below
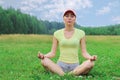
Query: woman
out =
(70, 40)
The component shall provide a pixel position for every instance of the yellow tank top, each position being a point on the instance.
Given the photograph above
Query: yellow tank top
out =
(69, 47)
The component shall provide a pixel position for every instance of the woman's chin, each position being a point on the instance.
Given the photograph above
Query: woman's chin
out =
(69, 24)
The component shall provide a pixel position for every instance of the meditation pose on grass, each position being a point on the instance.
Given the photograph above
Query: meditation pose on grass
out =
(69, 39)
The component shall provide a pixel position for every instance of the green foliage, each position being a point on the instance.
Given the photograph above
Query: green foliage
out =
(103, 30)
(15, 22)
(18, 58)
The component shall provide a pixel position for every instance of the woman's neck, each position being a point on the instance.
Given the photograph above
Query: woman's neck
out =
(69, 28)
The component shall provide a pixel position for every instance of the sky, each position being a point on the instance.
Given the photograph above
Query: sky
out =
(89, 12)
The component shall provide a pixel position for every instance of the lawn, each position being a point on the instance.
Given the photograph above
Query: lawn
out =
(18, 58)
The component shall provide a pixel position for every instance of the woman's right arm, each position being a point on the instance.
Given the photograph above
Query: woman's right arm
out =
(53, 49)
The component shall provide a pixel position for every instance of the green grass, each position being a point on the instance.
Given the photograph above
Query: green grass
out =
(18, 58)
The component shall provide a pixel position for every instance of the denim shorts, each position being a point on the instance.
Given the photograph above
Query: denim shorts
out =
(67, 67)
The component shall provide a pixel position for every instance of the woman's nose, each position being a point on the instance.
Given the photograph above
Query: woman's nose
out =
(69, 17)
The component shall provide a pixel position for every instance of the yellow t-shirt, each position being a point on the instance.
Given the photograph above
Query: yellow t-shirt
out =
(69, 47)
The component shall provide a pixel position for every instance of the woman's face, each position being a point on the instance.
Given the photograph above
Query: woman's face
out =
(69, 19)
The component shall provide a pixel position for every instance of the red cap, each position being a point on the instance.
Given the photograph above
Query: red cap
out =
(69, 11)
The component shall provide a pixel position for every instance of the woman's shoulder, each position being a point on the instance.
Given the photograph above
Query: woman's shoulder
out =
(80, 33)
(58, 31)
(79, 30)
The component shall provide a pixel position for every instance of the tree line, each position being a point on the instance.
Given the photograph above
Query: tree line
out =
(15, 22)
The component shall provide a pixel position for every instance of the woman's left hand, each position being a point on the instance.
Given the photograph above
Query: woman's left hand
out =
(93, 58)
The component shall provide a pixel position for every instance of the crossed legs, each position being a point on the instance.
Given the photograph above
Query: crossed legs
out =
(84, 68)
(51, 66)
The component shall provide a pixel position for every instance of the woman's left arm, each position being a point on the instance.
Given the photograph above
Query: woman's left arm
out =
(84, 51)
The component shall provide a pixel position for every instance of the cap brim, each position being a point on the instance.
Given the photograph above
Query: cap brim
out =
(69, 11)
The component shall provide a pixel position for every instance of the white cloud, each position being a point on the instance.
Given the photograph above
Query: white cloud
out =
(104, 10)
(116, 19)
(52, 9)
(60, 4)
(109, 7)
(115, 3)
(86, 3)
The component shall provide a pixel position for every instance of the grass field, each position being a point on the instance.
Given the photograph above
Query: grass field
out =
(18, 58)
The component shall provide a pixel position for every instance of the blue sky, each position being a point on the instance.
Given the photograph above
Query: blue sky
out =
(89, 12)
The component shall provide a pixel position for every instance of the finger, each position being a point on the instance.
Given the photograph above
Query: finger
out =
(91, 59)
(39, 55)
(95, 57)
(43, 57)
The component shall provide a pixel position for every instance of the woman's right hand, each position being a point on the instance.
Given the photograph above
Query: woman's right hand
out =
(93, 58)
(40, 55)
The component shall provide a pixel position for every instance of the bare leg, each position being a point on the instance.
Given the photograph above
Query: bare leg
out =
(50, 65)
(84, 68)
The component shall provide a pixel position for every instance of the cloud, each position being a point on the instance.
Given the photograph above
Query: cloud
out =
(109, 7)
(115, 3)
(52, 9)
(104, 10)
(116, 19)
(53, 4)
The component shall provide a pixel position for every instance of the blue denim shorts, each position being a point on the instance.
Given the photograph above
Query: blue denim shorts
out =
(67, 67)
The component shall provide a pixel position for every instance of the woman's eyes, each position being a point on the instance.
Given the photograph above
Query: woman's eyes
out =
(70, 16)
